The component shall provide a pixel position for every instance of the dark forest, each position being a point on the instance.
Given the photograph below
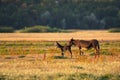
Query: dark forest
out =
(64, 14)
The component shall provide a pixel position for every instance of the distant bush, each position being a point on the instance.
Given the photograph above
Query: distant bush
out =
(37, 29)
(6, 30)
(114, 30)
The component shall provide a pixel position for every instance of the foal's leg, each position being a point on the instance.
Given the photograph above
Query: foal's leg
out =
(62, 52)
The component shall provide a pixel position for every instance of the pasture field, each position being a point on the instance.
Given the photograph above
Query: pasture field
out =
(28, 59)
(80, 34)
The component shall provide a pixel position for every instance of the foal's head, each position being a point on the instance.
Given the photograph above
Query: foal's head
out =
(71, 42)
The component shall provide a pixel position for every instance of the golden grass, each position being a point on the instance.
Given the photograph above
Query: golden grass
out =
(33, 64)
(25, 66)
(82, 34)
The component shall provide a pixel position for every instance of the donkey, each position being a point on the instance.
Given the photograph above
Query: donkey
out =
(64, 48)
(86, 44)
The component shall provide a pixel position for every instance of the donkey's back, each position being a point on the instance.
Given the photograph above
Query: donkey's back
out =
(89, 44)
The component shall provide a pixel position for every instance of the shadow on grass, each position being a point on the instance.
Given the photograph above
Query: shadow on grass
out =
(60, 57)
(77, 67)
(3, 77)
(103, 53)
(9, 57)
(22, 56)
(60, 76)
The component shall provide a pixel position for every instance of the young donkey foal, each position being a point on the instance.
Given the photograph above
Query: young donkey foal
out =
(64, 48)
(86, 44)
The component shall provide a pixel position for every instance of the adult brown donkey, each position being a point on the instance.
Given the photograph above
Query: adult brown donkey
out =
(86, 44)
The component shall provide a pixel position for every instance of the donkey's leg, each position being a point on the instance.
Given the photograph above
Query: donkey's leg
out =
(69, 49)
(80, 50)
(82, 53)
(96, 47)
(96, 53)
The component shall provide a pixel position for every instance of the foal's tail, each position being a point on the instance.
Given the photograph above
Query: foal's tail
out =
(98, 48)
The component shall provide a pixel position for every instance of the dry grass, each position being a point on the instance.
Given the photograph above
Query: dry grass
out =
(35, 66)
(88, 34)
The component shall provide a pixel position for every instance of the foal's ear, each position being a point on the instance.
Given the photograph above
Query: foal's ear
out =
(57, 43)
(72, 38)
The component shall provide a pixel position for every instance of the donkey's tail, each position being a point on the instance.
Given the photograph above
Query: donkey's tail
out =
(98, 46)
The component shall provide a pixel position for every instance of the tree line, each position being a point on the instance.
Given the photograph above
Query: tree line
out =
(64, 14)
